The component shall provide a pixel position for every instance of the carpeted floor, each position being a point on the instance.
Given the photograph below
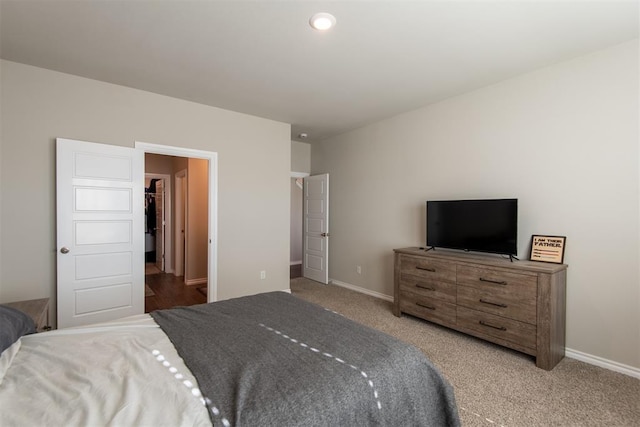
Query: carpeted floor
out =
(494, 385)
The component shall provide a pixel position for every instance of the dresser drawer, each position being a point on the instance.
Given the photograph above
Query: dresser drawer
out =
(490, 325)
(500, 301)
(432, 309)
(519, 286)
(428, 287)
(428, 268)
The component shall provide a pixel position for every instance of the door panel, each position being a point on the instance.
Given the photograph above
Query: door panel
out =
(102, 232)
(102, 199)
(104, 298)
(100, 237)
(103, 265)
(314, 244)
(316, 228)
(100, 166)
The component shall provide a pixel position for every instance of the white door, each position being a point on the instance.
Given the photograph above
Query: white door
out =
(100, 236)
(160, 222)
(315, 263)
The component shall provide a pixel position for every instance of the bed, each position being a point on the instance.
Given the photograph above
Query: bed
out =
(268, 359)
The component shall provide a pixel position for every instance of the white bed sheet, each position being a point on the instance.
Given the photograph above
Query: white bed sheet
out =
(120, 373)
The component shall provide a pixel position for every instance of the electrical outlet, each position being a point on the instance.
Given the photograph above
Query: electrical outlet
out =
(263, 275)
(358, 269)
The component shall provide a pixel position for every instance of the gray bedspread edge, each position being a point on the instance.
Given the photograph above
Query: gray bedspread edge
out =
(274, 359)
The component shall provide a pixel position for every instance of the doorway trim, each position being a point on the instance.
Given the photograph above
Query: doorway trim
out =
(168, 217)
(298, 175)
(212, 158)
(181, 179)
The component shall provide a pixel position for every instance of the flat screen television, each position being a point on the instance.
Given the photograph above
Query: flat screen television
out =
(488, 225)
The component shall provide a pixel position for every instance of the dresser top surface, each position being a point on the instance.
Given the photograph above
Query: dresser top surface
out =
(488, 260)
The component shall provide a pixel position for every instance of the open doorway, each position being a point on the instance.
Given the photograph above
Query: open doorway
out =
(186, 273)
(158, 219)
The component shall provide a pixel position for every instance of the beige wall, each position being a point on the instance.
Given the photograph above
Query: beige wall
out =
(253, 190)
(300, 157)
(160, 164)
(563, 140)
(197, 221)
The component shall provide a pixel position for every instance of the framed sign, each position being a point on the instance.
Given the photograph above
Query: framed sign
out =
(548, 248)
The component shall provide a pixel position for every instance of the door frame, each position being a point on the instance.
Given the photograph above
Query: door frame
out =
(212, 158)
(300, 175)
(168, 218)
(180, 178)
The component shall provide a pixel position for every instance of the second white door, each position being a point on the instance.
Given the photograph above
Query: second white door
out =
(315, 259)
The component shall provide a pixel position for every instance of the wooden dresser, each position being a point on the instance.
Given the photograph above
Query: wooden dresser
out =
(519, 304)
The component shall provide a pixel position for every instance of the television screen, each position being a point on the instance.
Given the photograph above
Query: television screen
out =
(489, 225)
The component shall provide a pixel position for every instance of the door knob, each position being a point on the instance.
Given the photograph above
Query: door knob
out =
(64, 250)
(324, 234)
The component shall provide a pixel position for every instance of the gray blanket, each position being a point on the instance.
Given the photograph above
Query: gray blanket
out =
(276, 360)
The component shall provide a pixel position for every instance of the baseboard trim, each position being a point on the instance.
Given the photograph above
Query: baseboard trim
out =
(573, 354)
(192, 282)
(361, 290)
(603, 363)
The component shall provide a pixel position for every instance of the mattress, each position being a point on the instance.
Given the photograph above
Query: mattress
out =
(122, 373)
(268, 359)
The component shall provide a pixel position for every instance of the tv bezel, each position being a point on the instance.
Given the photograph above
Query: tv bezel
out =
(481, 250)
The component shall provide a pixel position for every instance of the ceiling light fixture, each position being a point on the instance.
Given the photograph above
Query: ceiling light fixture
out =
(322, 21)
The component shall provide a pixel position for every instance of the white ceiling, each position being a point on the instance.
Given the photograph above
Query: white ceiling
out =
(262, 58)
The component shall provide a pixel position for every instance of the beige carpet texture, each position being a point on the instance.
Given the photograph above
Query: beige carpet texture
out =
(495, 386)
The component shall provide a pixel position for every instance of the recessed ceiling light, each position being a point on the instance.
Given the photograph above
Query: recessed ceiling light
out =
(322, 21)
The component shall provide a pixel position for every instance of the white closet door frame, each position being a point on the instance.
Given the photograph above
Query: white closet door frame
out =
(212, 157)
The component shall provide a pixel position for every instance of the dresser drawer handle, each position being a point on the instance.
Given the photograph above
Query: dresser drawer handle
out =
(493, 303)
(425, 306)
(433, 270)
(500, 328)
(497, 282)
(424, 287)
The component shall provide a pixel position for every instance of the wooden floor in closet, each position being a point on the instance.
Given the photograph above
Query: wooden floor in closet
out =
(170, 291)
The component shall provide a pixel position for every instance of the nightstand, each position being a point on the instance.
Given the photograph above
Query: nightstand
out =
(38, 309)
